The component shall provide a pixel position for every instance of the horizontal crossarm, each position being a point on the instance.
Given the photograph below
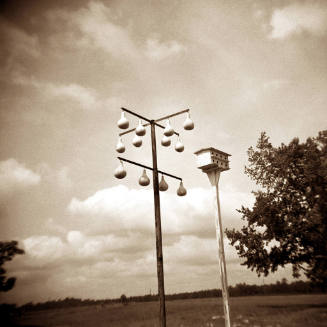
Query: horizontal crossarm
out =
(172, 115)
(147, 167)
(146, 119)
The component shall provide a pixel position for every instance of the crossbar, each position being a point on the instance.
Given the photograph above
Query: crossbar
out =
(172, 115)
(147, 167)
(148, 121)
(135, 114)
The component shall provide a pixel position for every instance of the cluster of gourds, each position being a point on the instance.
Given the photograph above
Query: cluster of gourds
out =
(123, 123)
(140, 131)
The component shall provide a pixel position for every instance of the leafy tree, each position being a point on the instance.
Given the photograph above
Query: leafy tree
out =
(288, 222)
(123, 299)
(7, 252)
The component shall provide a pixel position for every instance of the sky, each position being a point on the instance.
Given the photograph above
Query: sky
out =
(67, 67)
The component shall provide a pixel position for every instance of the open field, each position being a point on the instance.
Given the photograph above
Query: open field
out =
(287, 310)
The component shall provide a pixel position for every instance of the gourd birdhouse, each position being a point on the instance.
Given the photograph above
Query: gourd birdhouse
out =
(212, 159)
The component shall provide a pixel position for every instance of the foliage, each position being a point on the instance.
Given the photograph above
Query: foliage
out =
(242, 289)
(123, 299)
(288, 222)
(7, 251)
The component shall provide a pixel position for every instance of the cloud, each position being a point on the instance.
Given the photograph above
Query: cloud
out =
(159, 51)
(76, 247)
(94, 22)
(17, 48)
(85, 97)
(97, 27)
(299, 18)
(106, 246)
(18, 42)
(94, 28)
(15, 176)
(44, 247)
(192, 250)
(116, 208)
(60, 177)
(78, 261)
(119, 208)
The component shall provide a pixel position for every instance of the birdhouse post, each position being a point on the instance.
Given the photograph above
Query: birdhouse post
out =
(213, 162)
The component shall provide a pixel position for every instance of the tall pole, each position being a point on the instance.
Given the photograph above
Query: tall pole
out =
(213, 176)
(120, 173)
(160, 271)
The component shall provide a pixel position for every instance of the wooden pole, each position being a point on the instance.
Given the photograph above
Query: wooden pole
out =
(213, 176)
(160, 271)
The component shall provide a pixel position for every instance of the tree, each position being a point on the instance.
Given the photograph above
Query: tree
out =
(288, 222)
(7, 251)
(123, 299)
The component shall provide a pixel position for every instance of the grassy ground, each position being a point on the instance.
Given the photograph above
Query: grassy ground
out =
(263, 311)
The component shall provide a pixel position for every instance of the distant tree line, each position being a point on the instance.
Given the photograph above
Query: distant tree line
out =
(242, 289)
(298, 287)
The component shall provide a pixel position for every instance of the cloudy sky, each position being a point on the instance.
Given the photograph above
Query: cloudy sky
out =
(241, 66)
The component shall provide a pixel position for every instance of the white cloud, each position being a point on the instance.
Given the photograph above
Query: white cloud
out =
(78, 246)
(75, 238)
(159, 51)
(96, 24)
(86, 249)
(15, 176)
(119, 208)
(87, 98)
(298, 18)
(47, 248)
(60, 177)
(78, 260)
(193, 250)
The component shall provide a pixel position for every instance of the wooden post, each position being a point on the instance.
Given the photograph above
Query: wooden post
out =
(160, 271)
(213, 176)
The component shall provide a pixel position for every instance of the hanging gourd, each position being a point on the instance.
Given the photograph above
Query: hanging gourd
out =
(165, 141)
(120, 171)
(120, 147)
(179, 146)
(123, 123)
(188, 123)
(144, 179)
(163, 186)
(181, 190)
(168, 131)
(140, 129)
(137, 141)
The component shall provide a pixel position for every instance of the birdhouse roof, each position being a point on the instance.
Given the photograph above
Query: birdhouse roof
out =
(211, 149)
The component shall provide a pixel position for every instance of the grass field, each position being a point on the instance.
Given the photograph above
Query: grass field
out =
(273, 311)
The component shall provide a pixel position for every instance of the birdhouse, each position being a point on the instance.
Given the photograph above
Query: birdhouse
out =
(212, 159)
